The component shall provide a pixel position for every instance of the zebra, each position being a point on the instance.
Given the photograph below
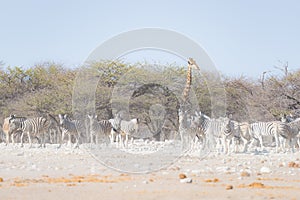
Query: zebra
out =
(295, 128)
(70, 128)
(237, 136)
(101, 128)
(244, 131)
(222, 129)
(202, 122)
(286, 133)
(36, 127)
(183, 128)
(116, 128)
(289, 131)
(260, 129)
(193, 128)
(199, 124)
(54, 130)
(128, 128)
(9, 130)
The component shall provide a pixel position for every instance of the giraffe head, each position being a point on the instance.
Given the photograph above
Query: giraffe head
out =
(192, 63)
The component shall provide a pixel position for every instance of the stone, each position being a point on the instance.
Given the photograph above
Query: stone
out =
(186, 180)
(265, 170)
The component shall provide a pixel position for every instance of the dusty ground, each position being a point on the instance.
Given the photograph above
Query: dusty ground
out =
(67, 173)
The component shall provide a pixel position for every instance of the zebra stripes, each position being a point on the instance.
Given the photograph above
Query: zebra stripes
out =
(244, 132)
(70, 128)
(206, 129)
(260, 129)
(223, 131)
(128, 128)
(202, 122)
(185, 130)
(36, 127)
(11, 129)
(199, 125)
(289, 131)
(100, 129)
(116, 127)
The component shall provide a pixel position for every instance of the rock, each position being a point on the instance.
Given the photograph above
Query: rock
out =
(294, 165)
(256, 185)
(186, 180)
(229, 187)
(265, 170)
(182, 176)
(245, 174)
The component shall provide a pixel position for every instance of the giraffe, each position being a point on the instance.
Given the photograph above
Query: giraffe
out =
(185, 95)
(182, 113)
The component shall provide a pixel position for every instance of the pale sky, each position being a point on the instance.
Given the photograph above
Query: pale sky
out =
(241, 37)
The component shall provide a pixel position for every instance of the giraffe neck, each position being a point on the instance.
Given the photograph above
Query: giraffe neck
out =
(188, 84)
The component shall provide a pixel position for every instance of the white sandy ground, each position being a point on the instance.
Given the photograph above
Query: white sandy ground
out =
(67, 173)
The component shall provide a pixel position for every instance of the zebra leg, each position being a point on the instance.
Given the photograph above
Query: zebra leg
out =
(22, 135)
(131, 140)
(118, 137)
(7, 138)
(126, 140)
(61, 138)
(251, 144)
(277, 143)
(12, 139)
(292, 145)
(227, 146)
(235, 144)
(43, 138)
(261, 143)
(194, 143)
(123, 140)
(218, 145)
(29, 139)
(92, 137)
(69, 140)
(204, 142)
(39, 142)
(282, 143)
(119, 140)
(77, 142)
(112, 132)
(224, 144)
(244, 145)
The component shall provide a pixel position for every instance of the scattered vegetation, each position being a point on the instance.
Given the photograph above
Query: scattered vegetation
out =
(49, 88)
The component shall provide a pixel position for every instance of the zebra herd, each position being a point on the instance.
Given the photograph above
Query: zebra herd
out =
(223, 133)
(54, 131)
